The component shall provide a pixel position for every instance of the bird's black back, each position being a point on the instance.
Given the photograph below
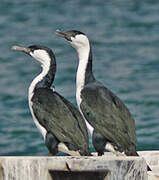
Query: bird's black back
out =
(60, 117)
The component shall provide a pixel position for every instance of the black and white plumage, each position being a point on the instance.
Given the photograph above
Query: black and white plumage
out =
(109, 121)
(59, 122)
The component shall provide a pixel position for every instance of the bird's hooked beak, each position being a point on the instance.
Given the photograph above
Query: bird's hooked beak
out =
(22, 49)
(65, 35)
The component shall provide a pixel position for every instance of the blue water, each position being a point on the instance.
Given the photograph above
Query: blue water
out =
(125, 40)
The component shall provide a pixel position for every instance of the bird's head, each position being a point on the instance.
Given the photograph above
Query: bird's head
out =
(40, 53)
(77, 39)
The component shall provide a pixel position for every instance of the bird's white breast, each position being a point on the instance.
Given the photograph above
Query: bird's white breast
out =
(40, 128)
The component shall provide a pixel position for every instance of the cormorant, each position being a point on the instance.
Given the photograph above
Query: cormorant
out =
(59, 122)
(108, 119)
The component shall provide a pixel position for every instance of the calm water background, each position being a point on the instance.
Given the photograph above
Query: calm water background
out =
(125, 40)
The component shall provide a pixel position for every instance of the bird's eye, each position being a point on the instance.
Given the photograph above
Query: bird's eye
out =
(32, 50)
(74, 34)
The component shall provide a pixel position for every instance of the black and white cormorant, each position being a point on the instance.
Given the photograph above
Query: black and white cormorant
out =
(109, 121)
(59, 122)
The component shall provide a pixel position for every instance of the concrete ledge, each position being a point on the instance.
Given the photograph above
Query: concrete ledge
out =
(152, 159)
(106, 167)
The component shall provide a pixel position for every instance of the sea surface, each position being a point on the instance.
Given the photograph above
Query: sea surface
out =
(125, 40)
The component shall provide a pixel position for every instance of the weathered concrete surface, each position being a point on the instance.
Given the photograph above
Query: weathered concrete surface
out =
(106, 167)
(152, 159)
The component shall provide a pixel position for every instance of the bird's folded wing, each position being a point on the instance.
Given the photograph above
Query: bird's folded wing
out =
(108, 115)
(53, 112)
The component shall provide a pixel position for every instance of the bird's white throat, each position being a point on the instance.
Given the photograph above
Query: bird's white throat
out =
(37, 79)
(83, 55)
(30, 95)
(45, 69)
(44, 59)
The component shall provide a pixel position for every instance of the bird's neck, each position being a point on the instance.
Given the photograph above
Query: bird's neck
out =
(84, 70)
(44, 79)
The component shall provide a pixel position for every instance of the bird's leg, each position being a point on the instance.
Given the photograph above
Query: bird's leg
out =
(51, 143)
(99, 142)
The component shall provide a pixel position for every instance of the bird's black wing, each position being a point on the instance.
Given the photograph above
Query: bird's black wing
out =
(60, 117)
(108, 115)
